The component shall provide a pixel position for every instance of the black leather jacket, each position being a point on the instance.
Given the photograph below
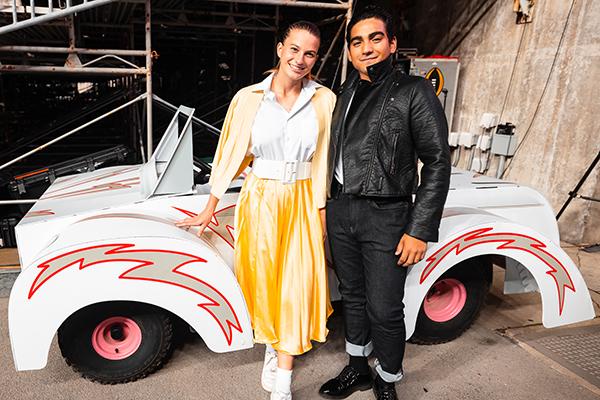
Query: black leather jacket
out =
(398, 121)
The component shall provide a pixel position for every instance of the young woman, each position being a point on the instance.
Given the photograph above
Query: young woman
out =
(282, 126)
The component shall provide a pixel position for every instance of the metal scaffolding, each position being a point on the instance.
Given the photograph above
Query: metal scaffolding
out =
(339, 5)
(32, 15)
(43, 14)
(73, 65)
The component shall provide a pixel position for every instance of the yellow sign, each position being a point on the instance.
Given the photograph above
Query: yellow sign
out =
(436, 78)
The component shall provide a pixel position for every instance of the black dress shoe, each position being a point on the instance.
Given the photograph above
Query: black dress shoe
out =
(346, 383)
(384, 390)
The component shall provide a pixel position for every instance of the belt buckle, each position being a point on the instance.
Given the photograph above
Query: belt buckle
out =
(290, 170)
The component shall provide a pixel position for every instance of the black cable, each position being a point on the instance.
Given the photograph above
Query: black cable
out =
(512, 72)
(450, 50)
(575, 192)
(562, 36)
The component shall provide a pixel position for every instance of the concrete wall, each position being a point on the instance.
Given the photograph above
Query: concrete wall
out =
(564, 136)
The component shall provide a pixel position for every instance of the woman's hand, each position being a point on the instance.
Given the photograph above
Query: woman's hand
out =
(203, 219)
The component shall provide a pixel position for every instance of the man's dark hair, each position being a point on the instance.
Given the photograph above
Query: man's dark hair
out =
(372, 11)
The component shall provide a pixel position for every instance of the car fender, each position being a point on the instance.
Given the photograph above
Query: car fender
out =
(466, 233)
(137, 258)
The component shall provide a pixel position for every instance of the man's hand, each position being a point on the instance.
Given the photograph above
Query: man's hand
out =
(323, 222)
(411, 250)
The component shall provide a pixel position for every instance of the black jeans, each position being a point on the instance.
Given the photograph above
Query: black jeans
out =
(364, 233)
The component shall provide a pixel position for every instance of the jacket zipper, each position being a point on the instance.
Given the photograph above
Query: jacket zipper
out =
(379, 122)
(393, 166)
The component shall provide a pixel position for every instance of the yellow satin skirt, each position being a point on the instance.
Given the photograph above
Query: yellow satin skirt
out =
(280, 263)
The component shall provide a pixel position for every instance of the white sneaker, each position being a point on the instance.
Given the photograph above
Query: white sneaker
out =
(281, 396)
(267, 379)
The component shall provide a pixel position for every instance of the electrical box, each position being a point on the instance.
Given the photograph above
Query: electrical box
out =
(467, 139)
(484, 142)
(488, 120)
(453, 138)
(505, 140)
(442, 72)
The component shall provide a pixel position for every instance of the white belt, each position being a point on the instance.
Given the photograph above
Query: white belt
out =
(284, 171)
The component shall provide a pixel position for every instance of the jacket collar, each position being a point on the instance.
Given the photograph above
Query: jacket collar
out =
(265, 86)
(378, 72)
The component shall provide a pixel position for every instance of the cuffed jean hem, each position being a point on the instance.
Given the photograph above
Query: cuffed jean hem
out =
(359, 351)
(386, 376)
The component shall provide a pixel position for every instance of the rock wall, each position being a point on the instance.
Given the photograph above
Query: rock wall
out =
(504, 70)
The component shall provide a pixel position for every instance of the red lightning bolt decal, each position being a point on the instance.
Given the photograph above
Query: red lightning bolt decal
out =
(220, 228)
(116, 185)
(89, 180)
(508, 240)
(153, 265)
(39, 213)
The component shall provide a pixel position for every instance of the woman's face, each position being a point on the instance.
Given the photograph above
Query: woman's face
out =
(297, 54)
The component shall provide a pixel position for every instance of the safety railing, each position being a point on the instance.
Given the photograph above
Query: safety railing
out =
(143, 96)
(36, 14)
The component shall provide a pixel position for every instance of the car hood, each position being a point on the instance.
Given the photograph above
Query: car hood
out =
(96, 190)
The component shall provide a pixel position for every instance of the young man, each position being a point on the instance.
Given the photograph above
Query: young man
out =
(383, 121)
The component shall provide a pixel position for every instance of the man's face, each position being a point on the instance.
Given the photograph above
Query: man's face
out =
(369, 44)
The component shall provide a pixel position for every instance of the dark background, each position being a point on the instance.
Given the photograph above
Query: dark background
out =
(205, 52)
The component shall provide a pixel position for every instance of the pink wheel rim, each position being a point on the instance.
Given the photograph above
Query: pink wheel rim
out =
(116, 338)
(445, 300)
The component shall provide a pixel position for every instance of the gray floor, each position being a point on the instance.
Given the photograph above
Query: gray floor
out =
(482, 364)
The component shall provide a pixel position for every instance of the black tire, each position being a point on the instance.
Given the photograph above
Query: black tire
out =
(475, 274)
(75, 342)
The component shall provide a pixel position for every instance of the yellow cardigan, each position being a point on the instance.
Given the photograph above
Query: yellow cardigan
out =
(231, 157)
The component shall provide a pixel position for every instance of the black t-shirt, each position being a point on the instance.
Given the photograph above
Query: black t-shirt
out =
(360, 95)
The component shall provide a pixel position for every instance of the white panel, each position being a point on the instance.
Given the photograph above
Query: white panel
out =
(178, 175)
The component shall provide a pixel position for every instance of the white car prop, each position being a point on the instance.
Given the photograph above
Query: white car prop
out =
(104, 265)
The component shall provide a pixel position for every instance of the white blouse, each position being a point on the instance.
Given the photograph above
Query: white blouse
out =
(281, 135)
